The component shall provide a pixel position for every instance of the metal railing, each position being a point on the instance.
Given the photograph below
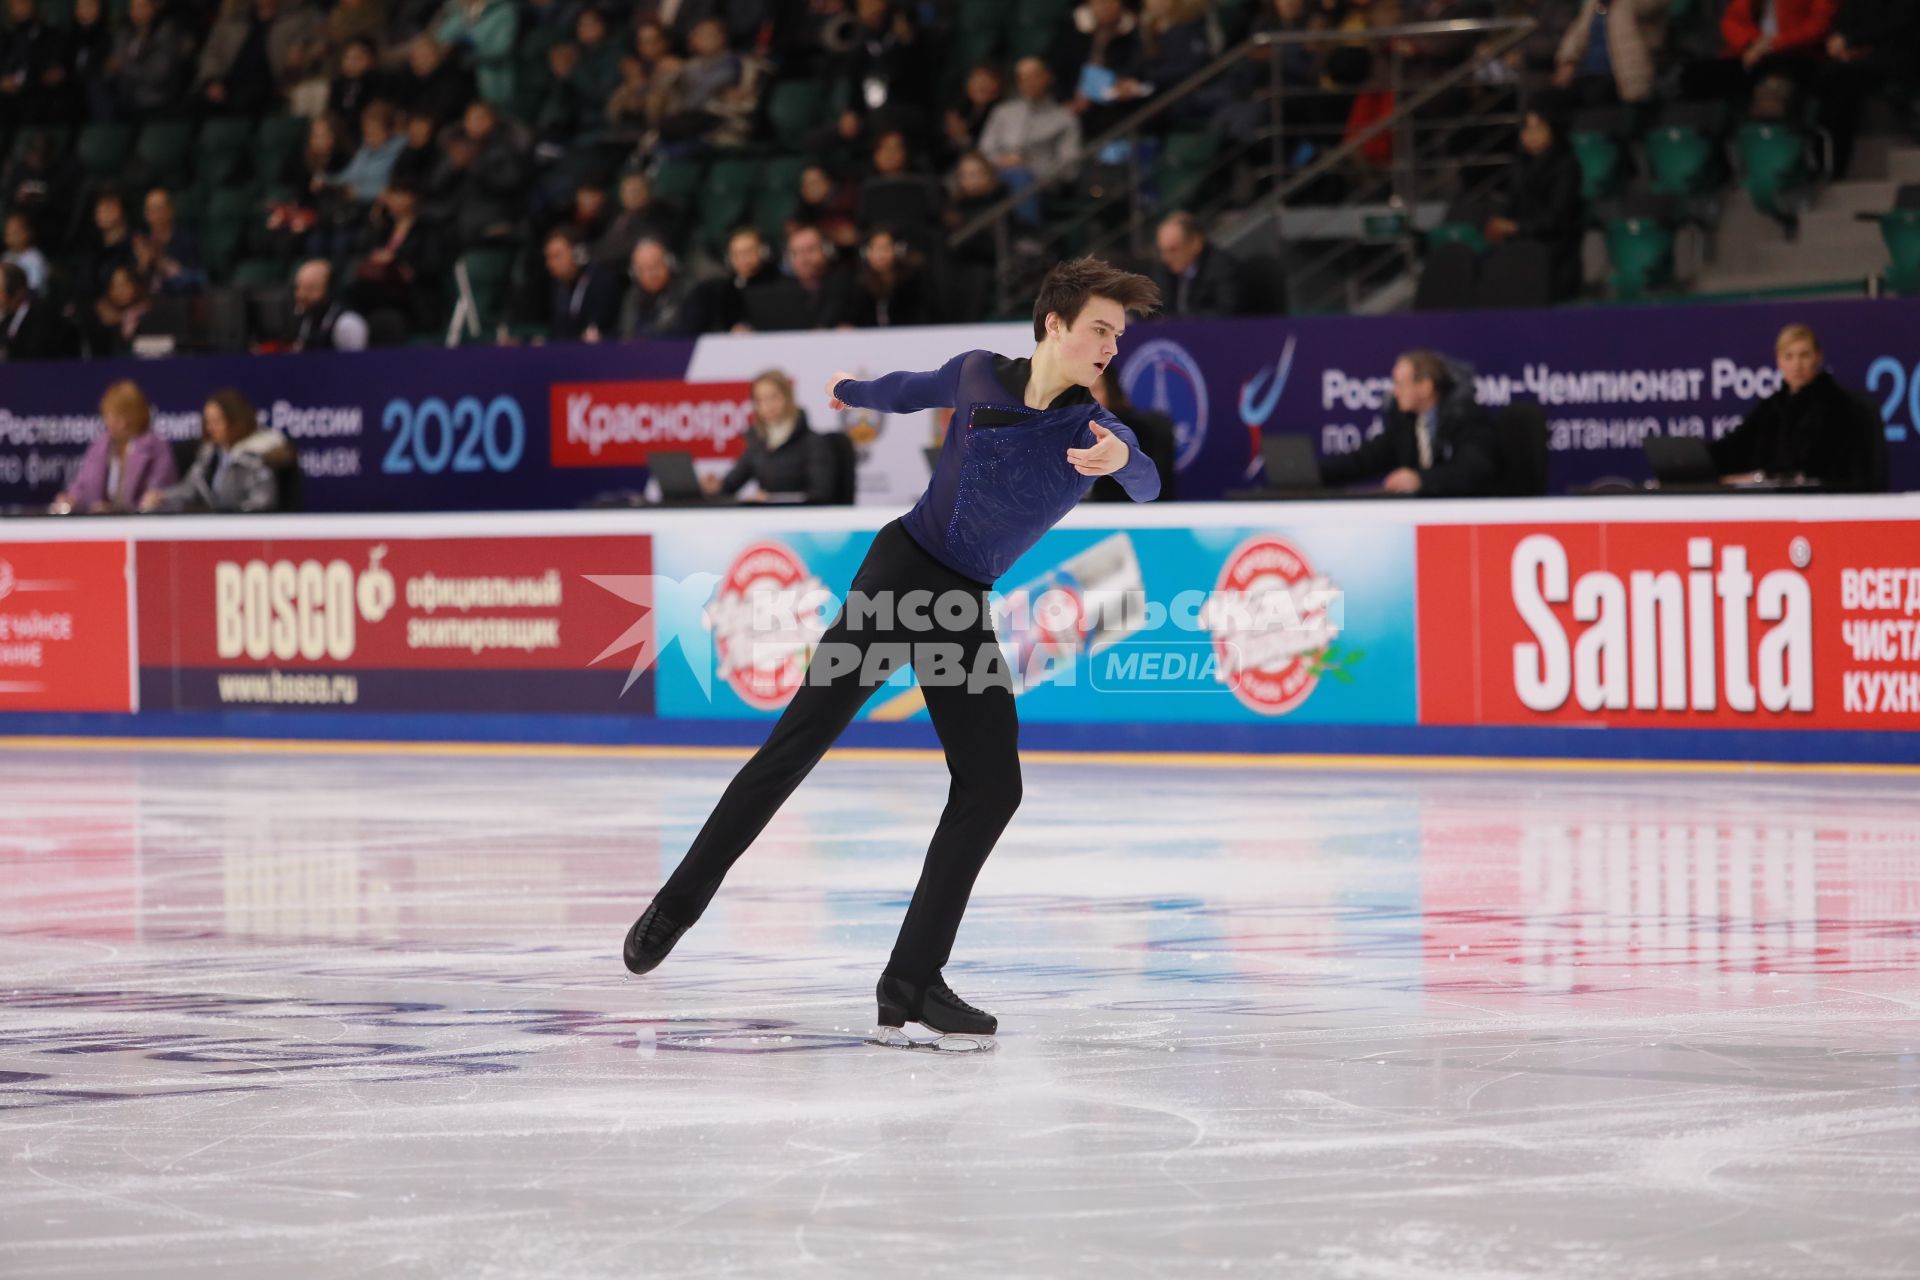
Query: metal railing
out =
(1435, 156)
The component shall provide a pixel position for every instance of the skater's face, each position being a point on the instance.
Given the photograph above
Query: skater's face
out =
(1089, 344)
(1799, 363)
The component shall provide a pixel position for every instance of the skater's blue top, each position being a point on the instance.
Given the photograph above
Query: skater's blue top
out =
(1003, 478)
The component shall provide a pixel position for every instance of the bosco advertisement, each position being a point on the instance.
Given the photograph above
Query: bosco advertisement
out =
(1170, 626)
(64, 633)
(434, 624)
(1733, 625)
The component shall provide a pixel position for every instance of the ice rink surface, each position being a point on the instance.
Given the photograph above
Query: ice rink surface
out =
(281, 1014)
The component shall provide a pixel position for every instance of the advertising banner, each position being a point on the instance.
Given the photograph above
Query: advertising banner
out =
(64, 631)
(1608, 377)
(461, 429)
(621, 424)
(1730, 625)
(537, 624)
(1203, 625)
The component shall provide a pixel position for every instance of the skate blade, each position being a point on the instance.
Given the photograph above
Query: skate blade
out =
(955, 1042)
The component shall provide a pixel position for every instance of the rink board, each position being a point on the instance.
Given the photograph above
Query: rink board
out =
(1718, 628)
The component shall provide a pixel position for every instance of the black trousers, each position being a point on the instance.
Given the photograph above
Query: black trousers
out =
(974, 717)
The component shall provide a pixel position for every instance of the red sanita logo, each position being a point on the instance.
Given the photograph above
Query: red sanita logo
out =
(766, 620)
(1271, 623)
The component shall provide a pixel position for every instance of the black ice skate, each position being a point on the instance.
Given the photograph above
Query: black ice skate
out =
(959, 1026)
(650, 939)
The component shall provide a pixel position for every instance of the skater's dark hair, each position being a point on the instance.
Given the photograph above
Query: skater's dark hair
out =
(1068, 286)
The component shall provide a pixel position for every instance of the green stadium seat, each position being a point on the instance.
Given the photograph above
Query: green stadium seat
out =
(262, 272)
(1900, 228)
(220, 152)
(726, 200)
(102, 151)
(678, 182)
(1684, 160)
(794, 109)
(1464, 233)
(1602, 164)
(231, 212)
(777, 195)
(1641, 250)
(277, 145)
(1182, 167)
(1774, 157)
(163, 153)
(488, 271)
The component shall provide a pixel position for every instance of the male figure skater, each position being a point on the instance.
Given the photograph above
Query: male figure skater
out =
(1025, 444)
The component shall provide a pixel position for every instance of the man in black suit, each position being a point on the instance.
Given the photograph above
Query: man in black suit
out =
(1195, 278)
(1437, 441)
(583, 301)
(29, 328)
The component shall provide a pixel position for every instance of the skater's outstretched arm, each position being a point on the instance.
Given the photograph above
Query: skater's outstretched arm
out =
(900, 392)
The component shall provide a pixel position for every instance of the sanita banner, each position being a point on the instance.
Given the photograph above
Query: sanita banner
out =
(1307, 624)
(1733, 625)
(426, 624)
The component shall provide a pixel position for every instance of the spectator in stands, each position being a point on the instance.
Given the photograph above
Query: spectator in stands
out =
(401, 263)
(236, 465)
(885, 76)
(1607, 54)
(1764, 39)
(432, 86)
(419, 157)
(967, 120)
(1874, 43)
(564, 108)
(1195, 278)
(1811, 427)
(486, 28)
(117, 313)
(123, 463)
(827, 291)
(1543, 203)
(976, 188)
(892, 287)
(370, 168)
(639, 98)
(895, 193)
(828, 204)
(483, 175)
(30, 69)
(783, 453)
(22, 252)
(1177, 40)
(1031, 136)
(640, 217)
(165, 253)
(149, 64)
(29, 328)
(89, 47)
(583, 299)
(714, 95)
(37, 182)
(108, 244)
(256, 48)
(654, 305)
(1154, 430)
(322, 322)
(1437, 441)
(1101, 56)
(720, 306)
(357, 83)
(653, 49)
(599, 69)
(588, 215)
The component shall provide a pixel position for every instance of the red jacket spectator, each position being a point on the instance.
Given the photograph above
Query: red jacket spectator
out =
(1800, 22)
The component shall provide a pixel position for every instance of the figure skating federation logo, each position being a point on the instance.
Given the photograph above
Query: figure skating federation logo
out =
(1275, 623)
(766, 620)
(1161, 376)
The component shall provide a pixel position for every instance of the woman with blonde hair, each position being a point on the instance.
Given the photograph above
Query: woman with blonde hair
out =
(1811, 428)
(784, 454)
(125, 462)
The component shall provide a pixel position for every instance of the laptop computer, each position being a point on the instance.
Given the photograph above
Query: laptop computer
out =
(1290, 462)
(680, 483)
(777, 307)
(1680, 460)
